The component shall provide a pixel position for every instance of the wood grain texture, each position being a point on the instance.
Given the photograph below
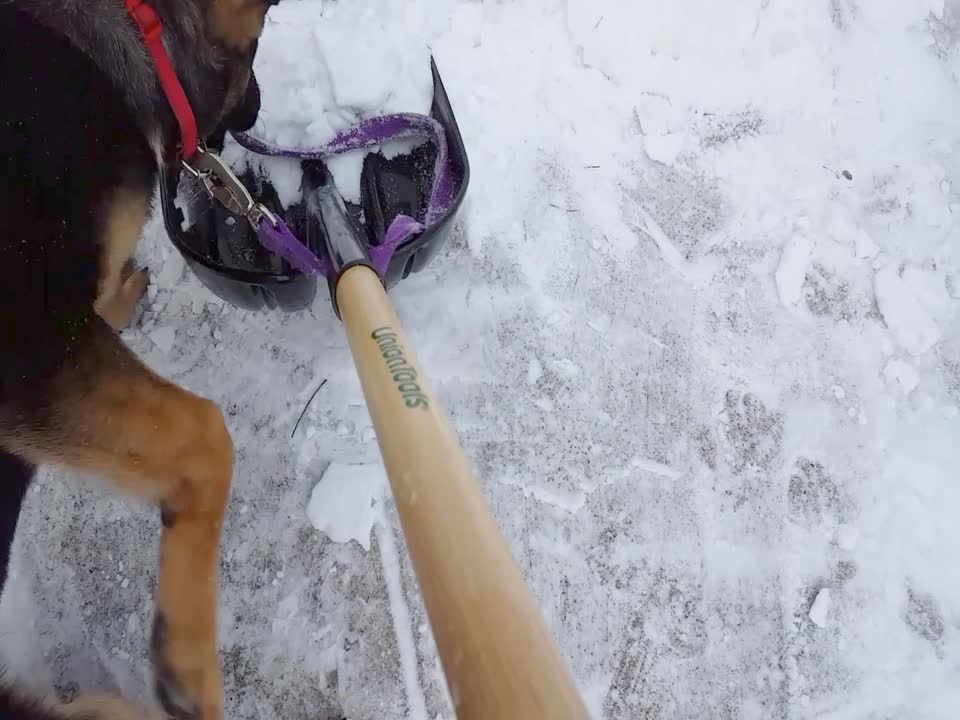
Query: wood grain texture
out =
(498, 657)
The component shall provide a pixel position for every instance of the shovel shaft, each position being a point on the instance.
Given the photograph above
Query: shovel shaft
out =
(499, 660)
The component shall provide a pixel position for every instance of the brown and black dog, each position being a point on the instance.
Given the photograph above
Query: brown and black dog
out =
(83, 129)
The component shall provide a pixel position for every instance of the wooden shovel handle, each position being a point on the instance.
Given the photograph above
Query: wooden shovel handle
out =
(499, 660)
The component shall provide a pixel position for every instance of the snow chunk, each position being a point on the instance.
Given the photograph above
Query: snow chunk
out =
(820, 608)
(929, 287)
(847, 536)
(903, 374)
(664, 149)
(172, 271)
(346, 173)
(335, 78)
(792, 270)
(565, 367)
(911, 325)
(864, 246)
(347, 501)
(655, 115)
(163, 338)
(534, 371)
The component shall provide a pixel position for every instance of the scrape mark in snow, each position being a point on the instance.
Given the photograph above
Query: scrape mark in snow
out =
(792, 270)
(401, 622)
(657, 468)
(668, 250)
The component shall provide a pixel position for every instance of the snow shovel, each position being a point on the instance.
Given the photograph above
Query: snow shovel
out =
(498, 657)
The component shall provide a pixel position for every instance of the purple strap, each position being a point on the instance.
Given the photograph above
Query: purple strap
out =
(365, 134)
(284, 243)
(376, 131)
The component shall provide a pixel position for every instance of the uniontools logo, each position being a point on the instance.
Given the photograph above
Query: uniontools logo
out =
(404, 375)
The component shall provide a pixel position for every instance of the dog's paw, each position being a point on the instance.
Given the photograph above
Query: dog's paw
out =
(118, 309)
(187, 678)
(134, 288)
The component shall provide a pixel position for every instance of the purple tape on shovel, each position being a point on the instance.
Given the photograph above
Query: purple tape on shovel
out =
(284, 243)
(401, 229)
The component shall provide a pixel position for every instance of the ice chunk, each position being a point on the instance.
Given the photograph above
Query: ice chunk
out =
(664, 149)
(820, 608)
(172, 271)
(163, 338)
(904, 314)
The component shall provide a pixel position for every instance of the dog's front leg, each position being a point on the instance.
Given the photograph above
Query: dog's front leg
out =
(110, 415)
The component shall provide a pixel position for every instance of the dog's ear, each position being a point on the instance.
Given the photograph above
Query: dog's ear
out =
(237, 23)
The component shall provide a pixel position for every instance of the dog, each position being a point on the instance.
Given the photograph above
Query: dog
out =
(86, 127)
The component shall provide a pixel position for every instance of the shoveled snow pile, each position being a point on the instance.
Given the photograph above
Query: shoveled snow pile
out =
(697, 329)
(323, 67)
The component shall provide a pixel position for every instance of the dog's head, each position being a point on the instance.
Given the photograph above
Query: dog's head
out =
(233, 29)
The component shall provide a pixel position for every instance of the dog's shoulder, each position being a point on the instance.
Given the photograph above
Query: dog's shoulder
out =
(68, 142)
(15, 707)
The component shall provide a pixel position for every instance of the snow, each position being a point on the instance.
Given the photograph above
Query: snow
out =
(865, 247)
(792, 270)
(640, 362)
(904, 312)
(534, 371)
(903, 374)
(847, 536)
(322, 67)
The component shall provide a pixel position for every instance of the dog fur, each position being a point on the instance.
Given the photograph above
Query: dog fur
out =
(84, 130)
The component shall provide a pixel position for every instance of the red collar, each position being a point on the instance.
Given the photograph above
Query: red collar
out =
(151, 28)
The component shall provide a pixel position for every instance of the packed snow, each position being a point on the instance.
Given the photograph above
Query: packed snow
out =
(697, 330)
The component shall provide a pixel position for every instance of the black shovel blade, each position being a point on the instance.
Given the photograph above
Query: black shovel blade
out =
(223, 251)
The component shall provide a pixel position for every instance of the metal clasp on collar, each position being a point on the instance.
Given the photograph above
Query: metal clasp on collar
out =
(225, 187)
